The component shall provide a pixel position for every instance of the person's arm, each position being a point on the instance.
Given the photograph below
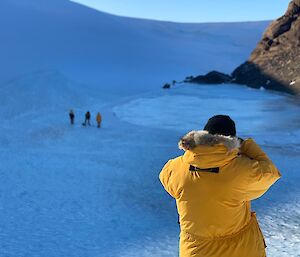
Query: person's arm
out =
(258, 172)
(165, 178)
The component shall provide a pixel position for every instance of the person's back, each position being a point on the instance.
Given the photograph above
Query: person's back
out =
(213, 183)
(72, 116)
(87, 118)
(88, 115)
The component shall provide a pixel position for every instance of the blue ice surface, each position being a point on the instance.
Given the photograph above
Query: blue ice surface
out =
(83, 191)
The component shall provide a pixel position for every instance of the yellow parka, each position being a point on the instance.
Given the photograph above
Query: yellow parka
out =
(99, 117)
(213, 184)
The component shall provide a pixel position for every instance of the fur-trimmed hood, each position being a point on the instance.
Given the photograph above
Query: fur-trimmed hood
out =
(202, 137)
(204, 150)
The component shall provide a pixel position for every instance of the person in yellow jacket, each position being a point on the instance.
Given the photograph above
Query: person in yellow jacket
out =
(99, 119)
(213, 183)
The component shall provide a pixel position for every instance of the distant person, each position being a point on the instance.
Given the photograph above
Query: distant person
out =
(87, 119)
(213, 183)
(72, 117)
(99, 119)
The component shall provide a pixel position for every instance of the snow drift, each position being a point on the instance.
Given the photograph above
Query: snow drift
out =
(118, 53)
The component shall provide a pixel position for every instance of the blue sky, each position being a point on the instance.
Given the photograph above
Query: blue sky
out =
(193, 10)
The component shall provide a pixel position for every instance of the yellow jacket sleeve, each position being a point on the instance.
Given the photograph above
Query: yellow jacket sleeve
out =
(165, 178)
(258, 171)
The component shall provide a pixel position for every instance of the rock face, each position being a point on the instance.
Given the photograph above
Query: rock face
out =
(166, 86)
(275, 63)
(213, 77)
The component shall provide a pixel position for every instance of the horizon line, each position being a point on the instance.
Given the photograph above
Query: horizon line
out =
(170, 21)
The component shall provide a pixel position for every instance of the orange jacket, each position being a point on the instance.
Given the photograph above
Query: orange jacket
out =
(98, 118)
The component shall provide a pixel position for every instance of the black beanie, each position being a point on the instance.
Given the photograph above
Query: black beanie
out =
(221, 125)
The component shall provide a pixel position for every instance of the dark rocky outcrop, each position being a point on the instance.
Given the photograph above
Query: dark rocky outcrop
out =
(166, 86)
(213, 77)
(275, 63)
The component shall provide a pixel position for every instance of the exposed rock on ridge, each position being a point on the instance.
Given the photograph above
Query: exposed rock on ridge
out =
(275, 63)
(213, 77)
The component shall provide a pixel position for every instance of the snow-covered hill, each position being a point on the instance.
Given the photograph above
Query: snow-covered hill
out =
(113, 52)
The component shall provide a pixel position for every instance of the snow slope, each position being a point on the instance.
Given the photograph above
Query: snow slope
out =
(37, 92)
(113, 52)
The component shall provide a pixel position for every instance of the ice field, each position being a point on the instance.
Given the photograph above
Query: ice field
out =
(81, 191)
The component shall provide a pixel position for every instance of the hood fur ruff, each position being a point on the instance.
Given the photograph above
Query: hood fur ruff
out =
(202, 137)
